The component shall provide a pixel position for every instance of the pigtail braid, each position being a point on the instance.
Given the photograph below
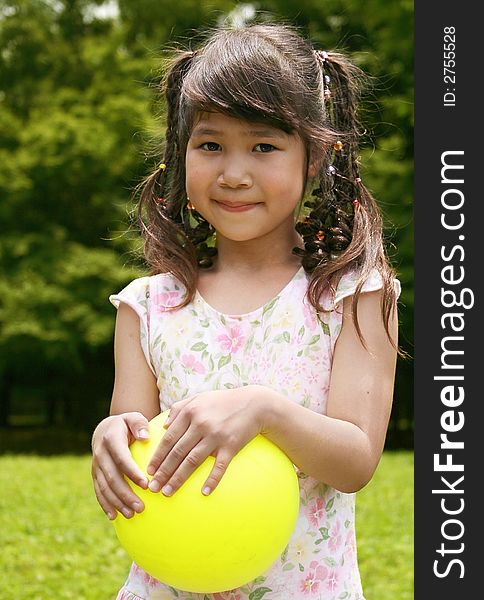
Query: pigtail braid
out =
(163, 213)
(344, 226)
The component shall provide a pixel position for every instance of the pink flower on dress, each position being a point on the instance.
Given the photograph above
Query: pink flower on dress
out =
(232, 341)
(350, 545)
(229, 595)
(164, 300)
(336, 538)
(321, 571)
(191, 364)
(332, 582)
(145, 577)
(310, 584)
(317, 512)
(310, 320)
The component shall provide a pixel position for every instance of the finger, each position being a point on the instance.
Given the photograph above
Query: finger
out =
(168, 441)
(175, 458)
(116, 489)
(138, 425)
(222, 461)
(110, 502)
(192, 460)
(122, 458)
(108, 507)
(176, 408)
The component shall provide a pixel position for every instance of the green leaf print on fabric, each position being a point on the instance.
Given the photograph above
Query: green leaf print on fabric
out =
(269, 306)
(199, 346)
(259, 593)
(284, 554)
(224, 360)
(324, 532)
(330, 561)
(325, 328)
(287, 337)
(306, 401)
(314, 339)
(288, 567)
(279, 339)
(329, 504)
(157, 340)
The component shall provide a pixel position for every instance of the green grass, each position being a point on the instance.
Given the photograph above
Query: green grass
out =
(55, 542)
(384, 527)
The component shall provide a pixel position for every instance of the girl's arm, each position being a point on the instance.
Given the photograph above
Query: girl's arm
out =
(343, 447)
(134, 384)
(134, 402)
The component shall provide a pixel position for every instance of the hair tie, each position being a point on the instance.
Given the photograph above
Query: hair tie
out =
(322, 55)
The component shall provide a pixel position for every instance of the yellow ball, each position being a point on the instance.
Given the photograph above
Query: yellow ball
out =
(208, 544)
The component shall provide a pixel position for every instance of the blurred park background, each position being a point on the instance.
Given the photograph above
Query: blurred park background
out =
(78, 106)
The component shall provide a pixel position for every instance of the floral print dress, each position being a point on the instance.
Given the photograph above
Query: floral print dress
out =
(282, 345)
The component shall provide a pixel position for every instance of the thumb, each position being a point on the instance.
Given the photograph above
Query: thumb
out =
(138, 425)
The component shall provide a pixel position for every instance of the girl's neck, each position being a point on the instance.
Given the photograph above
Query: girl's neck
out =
(256, 255)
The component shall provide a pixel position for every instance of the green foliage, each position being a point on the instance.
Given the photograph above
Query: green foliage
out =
(57, 543)
(77, 101)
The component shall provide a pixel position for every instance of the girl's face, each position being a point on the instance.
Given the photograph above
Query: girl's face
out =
(246, 179)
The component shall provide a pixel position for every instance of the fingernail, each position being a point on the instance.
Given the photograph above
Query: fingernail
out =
(111, 516)
(137, 507)
(206, 490)
(144, 434)
(151, 470)
(155, 485)
(127, 512)
(167, 490)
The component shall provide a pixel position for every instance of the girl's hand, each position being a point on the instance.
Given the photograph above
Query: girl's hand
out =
(112, 459)
(217, 423)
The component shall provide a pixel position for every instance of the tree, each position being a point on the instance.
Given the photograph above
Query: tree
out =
(77, 103)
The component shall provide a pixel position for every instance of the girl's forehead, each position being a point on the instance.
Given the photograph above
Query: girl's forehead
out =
(216, 122)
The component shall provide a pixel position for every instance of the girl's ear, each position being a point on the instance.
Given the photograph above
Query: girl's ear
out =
(312, 169)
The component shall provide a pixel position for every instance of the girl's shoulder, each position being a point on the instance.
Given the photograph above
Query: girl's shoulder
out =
(164, 288)
(349, 282)
(371, 283)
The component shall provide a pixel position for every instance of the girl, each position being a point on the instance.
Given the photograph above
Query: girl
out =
(251, 323)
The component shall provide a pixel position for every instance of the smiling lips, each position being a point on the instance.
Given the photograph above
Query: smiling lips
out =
(236, 206)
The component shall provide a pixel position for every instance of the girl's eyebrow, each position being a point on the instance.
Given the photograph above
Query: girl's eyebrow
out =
(266, 133)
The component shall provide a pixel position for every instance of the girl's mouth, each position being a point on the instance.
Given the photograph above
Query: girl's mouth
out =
(236, 206)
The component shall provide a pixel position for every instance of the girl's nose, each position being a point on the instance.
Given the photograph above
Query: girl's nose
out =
(235, 175)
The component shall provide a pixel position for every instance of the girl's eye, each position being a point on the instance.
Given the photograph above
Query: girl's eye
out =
(264, 148)
(210, 146)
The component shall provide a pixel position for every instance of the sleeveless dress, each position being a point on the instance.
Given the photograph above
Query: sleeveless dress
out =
(282, 345)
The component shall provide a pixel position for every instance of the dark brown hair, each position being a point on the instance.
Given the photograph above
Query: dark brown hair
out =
(269, 74)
